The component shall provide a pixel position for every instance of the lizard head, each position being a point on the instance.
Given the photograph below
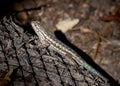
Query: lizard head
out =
(39, 29)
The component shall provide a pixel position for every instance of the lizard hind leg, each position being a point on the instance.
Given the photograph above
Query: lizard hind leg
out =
(64, 56)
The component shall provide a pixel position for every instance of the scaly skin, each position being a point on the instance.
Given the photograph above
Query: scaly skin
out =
(58, 46)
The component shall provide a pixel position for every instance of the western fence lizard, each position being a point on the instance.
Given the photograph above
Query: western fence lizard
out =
(60, 47)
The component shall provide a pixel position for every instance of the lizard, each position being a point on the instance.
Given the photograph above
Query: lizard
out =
(60, 47)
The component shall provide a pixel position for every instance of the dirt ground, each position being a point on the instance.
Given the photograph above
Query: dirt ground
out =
(97, 33)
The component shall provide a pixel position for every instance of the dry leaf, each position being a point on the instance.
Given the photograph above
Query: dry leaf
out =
(66, 24)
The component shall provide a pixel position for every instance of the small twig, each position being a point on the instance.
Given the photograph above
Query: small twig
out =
(98, 45)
